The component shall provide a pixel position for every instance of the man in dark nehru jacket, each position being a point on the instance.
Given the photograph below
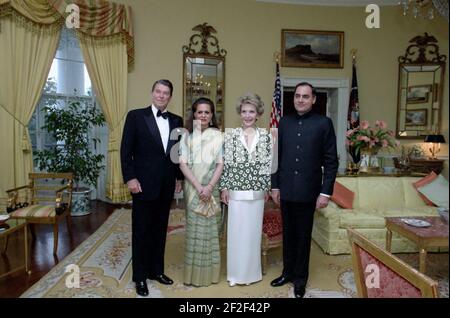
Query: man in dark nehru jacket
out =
(306, 145)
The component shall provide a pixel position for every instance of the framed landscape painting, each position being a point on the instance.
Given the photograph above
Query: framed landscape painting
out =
(416, 117)
(306, 48)
(418, 94)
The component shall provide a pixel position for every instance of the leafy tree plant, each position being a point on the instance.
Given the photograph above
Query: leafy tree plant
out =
(70, 126)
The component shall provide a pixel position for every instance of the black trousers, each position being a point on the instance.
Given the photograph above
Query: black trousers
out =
(149, 231)
(297, 227)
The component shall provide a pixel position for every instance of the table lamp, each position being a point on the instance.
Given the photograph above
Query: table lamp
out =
(434, 140)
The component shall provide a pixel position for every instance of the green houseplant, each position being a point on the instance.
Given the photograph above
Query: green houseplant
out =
(70, 127)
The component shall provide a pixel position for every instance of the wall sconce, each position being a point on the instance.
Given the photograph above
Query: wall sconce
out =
(433, 140)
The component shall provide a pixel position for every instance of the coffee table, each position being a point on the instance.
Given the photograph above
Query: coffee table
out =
(435, 235)
(14, 225)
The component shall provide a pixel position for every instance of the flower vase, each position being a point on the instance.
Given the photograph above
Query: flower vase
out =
(369, 162)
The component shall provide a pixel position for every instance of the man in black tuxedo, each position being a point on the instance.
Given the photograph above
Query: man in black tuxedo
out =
(306, 143)
(152, 177)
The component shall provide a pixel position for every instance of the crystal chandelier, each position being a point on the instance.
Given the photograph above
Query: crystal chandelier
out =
(198, 86)
(418, 8)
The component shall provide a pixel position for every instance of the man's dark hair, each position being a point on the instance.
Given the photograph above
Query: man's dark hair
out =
(164, 82)
(306, 84)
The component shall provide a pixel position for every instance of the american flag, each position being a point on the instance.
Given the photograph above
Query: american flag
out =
(275, 115)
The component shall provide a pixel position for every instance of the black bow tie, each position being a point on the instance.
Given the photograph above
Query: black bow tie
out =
(164, 115)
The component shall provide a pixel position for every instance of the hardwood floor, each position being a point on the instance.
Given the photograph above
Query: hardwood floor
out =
(41, 249)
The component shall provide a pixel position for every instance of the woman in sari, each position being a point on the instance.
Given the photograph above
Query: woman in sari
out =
(201, 164)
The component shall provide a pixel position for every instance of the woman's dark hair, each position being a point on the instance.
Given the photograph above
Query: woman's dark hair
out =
(202, 100)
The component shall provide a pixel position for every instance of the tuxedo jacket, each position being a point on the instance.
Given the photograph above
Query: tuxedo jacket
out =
(305, 144)
(143, 157)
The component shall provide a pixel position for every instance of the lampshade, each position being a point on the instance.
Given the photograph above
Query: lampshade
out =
(435, 139)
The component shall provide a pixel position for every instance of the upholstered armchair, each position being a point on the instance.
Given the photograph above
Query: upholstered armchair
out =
(272, 234)
(380, 274)
(46, 199)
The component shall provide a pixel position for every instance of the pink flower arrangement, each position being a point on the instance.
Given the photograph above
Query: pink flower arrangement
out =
(366, 138)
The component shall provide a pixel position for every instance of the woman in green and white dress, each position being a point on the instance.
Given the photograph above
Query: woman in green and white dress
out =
(201, 164)
(244, 185)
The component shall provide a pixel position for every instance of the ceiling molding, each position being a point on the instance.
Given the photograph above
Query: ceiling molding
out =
(347, 3)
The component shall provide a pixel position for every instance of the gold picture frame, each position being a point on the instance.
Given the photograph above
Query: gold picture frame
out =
(435, 92)
(416, 117)
(309, 48)
(418, 94)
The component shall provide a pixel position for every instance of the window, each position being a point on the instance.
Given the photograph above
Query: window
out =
(68, 79)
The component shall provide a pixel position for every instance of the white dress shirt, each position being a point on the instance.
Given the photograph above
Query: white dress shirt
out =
(163, 126)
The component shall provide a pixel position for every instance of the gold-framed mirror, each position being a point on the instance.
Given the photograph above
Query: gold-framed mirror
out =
(204, 71)
(420, 89)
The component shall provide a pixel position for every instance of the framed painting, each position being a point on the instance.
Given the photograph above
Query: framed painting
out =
(416, 117)
(306, 48)
(418, 94)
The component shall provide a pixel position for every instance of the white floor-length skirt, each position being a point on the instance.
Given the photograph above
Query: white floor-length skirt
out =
(245, 218)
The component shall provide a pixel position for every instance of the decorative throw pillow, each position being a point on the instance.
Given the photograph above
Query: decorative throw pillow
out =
(343, 196)
(436, 191)
(422, 182)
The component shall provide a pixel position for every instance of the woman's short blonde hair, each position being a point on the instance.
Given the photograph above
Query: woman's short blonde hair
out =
(252, 99)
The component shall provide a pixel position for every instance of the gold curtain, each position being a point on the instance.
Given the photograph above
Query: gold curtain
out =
(29, 33)
(102, 19)
(27, 51)
(106, 62)
(106, 38)
(39, 11)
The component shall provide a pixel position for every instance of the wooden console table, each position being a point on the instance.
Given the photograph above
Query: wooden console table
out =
(422, 165)
(426, 165)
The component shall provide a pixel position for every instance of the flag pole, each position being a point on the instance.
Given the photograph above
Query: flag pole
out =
(277, 57)
(353, 54)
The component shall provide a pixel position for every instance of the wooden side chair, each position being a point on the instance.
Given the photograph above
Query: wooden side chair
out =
(47, 199)
(380, 274)
(272, 234)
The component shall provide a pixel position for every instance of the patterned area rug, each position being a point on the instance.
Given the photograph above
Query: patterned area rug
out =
(104, 260)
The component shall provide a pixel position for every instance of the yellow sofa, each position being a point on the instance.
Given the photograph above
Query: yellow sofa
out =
(376, 197)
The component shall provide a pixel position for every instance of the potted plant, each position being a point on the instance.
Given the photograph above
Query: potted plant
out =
(70, 127)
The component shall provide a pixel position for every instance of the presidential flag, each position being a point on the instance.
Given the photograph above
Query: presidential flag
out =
(353, 112)
(275, 115)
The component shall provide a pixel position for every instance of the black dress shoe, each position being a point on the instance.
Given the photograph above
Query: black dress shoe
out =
(280, 281)
(141, 288)
(163, 279)
(299, 291)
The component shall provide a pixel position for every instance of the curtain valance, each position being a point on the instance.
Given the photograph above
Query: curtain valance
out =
(99, 19)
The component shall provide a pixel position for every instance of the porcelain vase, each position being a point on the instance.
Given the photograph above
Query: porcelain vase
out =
(369, 162)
